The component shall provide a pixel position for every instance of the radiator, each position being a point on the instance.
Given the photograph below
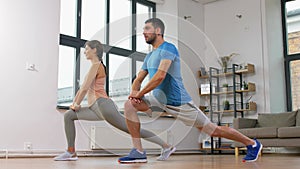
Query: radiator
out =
(109, 138)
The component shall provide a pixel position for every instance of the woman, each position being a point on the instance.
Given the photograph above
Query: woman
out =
(100, 106)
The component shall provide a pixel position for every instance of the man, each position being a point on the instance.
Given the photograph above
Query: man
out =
(168, 93)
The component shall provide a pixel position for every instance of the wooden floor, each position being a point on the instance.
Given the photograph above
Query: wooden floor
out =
(272, 161)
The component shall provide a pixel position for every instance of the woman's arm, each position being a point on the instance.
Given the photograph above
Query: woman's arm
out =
(90, 77)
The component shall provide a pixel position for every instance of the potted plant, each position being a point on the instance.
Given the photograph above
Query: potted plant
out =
(225, 87)
(224, 61)
(226, 105)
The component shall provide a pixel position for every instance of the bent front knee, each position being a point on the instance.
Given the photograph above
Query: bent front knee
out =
(69, 115)
(129, 107)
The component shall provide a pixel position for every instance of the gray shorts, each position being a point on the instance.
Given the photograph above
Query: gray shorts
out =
(188, 113)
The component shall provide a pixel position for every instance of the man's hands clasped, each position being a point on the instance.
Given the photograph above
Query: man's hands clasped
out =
(135, 96)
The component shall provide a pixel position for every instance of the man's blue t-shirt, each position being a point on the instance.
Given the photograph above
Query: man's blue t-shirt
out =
(171, 91)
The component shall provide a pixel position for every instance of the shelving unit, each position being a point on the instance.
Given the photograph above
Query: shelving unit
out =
(249, 68)
(215, 76)
(251, 88)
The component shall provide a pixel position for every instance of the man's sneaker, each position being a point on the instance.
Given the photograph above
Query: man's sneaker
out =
(66, 156)
(134, 157)
(165, 153)
(253, 152)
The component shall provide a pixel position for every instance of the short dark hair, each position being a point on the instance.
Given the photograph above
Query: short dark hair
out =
(157, 23)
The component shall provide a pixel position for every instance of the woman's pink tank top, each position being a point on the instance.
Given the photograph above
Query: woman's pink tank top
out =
(97, 88)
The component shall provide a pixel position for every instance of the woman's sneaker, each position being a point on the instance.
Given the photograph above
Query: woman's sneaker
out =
(253, 152)
(134, 157)
(165, 153)
(66, 156)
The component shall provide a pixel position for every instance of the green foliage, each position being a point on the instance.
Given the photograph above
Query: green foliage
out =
(225, 85)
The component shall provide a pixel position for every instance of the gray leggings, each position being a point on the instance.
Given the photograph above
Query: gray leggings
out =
(102, 109)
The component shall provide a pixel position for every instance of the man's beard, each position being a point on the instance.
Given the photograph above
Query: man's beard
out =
(150, 41)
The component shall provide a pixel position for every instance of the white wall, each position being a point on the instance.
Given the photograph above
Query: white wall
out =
(258, 41)
(177, 32)
(29, 33)
(191, 48)
(191, 44)
(273, 56)
(168, 12)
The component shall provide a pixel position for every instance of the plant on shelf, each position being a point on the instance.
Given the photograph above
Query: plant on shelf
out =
(224, 61)
(225, 87)
(226, 105)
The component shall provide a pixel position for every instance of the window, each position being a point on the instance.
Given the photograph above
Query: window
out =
(119, 79)
(295, 83)
(68, 17)
(291, 27)
(105, 21)
(120, 24)
(66, 76)
(93, 20)
(143, 13)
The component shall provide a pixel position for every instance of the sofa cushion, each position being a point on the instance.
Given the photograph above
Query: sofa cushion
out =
(298, 118)
(289, 132)
(265, 132)
(286, 119)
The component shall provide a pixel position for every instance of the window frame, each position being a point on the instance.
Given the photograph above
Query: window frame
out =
(288, 58)
(77, 42)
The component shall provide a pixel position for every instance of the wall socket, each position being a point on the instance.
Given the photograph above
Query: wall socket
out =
(27, 146)
(30, 66)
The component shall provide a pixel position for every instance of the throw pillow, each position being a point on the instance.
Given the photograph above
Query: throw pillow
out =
(286, 119)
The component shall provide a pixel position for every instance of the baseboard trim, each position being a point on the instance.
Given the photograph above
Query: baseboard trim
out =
(81, 153)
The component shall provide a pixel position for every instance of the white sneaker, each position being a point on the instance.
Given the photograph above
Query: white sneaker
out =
(165, 153)
(66, 156)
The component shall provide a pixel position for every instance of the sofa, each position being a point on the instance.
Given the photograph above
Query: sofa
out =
(272, 129)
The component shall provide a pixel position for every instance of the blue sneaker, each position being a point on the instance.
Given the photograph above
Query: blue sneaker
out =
(253, 152)
(134, 157)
